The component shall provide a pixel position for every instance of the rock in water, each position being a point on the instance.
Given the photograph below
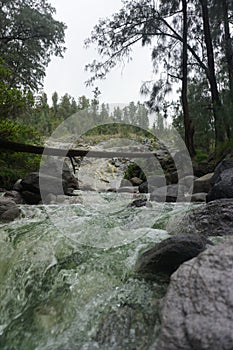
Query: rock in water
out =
(222, 181)
(8, 209)
(212, 219)
(223, 188)
(202, 184)
(198, 307)
(165, 257)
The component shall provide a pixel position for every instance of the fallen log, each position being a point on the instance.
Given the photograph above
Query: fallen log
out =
(71, 153)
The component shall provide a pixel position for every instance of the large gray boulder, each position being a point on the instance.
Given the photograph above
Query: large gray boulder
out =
(222, 181)
(224, 165)
(37, 183)
(198, 308)
(9, 211)
(202, 184)
(54, 165)
(223, 188)
(165, 257)
(211, 219)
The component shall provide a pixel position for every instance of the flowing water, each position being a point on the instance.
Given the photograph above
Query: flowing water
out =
(67, 271)
(67, 275)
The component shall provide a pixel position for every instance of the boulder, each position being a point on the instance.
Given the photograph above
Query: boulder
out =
(224, 165)
(170, 193)
(212, 219)
(15, 195)
(202, 184)
(52, 167)
(143, 188)
(10, 214)
(8, 209)
(198, 197)
(223, 187)
(37, 183)
(6, 204)
(31, 197)
(165, 257)
(17, 186)
(198, 307)
(140, 202)
(202, 168)
(187, 181)
(135, 181)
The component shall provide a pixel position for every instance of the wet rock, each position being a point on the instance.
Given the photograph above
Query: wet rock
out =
(8, 209)
(17, 186)
(10, 214)
(140, 202)
(212, 219)
(37, 183)
(165, 257)
(224, 165)
(143, 188)
(203, 168)
(187, 181)
(202, 184)
(15, 195)
(52, 167)
(31, 197)
(223, 187)
(135, 181)
(198, 307)
(6, 204)
(199, 197)
(170, 193)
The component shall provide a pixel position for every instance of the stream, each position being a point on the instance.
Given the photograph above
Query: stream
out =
(67, 273)
(70, 284)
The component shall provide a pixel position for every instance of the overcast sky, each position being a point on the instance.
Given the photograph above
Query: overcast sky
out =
(68, 75)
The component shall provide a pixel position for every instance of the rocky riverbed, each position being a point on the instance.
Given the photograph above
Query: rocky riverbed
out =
(125, 265)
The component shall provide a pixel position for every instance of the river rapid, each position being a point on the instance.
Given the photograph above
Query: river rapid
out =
(67, 273)
(67, 278)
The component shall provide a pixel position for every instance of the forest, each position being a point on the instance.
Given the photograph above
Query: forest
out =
(191, 43)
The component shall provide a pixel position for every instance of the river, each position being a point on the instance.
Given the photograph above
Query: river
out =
(67, 271)
(67, 278)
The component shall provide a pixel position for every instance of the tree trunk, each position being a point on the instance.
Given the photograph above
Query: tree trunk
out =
(217, 106)
(71, 153)
(188, 126)
(228, 46)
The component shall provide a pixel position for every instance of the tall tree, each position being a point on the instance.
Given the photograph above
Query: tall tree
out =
(188, 124)
(217, 106)
(29, 35)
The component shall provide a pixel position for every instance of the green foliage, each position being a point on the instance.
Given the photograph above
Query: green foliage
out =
(14, 165)
(200, 156)
(12, 100)
(29, 36)
(134, 170)
(203, 49)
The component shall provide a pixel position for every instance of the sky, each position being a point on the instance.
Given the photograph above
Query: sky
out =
(68, 75)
